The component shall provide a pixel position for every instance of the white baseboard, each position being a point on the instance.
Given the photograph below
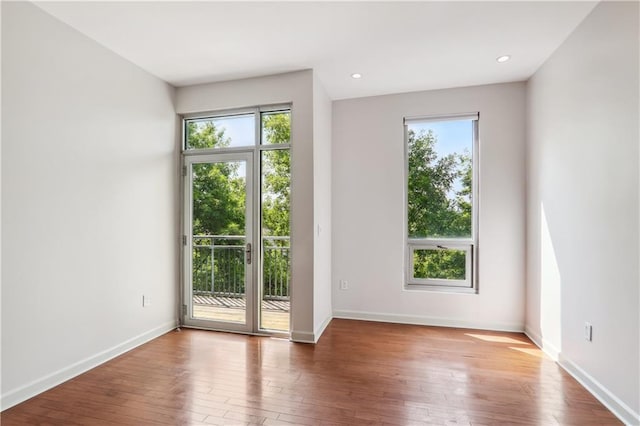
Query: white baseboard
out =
(602, 394)
(307, 337)
(16, 396)
(424, 320)
(320, 330)
(302, 337)
(547, 347)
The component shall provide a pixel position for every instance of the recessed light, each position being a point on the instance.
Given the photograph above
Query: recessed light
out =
(503, 58)
(356, 75)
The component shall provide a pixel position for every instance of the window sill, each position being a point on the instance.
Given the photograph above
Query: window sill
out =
(439, 289)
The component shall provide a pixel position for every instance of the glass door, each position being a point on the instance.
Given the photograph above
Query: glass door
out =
(218, 239)
(275, 273)
(237, 248)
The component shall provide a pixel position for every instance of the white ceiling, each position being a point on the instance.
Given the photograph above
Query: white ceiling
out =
(396, 46)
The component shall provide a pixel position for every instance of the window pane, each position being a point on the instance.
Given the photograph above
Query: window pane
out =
(276, 192)
(440, 179)
(221, 132)
(219, 198)
(276, 251)
(219, 225)
(276, 127)
(444, 264)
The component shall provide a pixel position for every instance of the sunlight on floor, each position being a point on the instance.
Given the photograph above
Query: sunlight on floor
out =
(497, 339)
(529, 351)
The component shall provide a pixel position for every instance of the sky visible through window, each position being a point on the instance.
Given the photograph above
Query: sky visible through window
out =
(453, 136)
(239, 128)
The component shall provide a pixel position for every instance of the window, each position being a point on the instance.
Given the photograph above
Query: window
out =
(441, 202)
(225, 131)
(237, 129)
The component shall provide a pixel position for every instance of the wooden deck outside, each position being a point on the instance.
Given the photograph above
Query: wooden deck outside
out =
(275, 313)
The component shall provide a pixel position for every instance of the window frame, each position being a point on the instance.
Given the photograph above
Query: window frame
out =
(469, 245)
(256, 151)
(257, 112)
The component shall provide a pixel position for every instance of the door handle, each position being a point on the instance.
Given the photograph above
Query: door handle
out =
(248, 252)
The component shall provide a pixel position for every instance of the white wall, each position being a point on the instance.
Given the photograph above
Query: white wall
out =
(322, 311)
(295, 88)
(89, 184)
(582, 206)
(368, 211)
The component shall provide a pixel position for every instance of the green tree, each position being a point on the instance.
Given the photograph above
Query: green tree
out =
(218, 189)
(218, 209)
(432, 212)
(462, 221)
(276, 166)
(276, 201)
(436, 208)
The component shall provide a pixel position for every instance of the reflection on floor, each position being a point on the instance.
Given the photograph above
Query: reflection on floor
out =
(359, 373)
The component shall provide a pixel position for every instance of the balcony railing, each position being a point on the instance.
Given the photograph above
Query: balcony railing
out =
(219, 266)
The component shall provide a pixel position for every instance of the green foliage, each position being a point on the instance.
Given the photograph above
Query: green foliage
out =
(276, 192)
(276, 127)
(201, 266)
(276, 171)
(219, 209)
(218, 189)
(276, 202)
(436, 208)
(204, 134)
(439, 264)
(432, 212)
(276, 267)
(228, 267)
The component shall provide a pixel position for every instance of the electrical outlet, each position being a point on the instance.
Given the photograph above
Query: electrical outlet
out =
(146, 301)
(344, 285)
(588, 332)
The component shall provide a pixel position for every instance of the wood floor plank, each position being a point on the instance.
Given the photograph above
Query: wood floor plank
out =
(359, 373)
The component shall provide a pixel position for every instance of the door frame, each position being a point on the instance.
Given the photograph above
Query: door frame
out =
(251, 236)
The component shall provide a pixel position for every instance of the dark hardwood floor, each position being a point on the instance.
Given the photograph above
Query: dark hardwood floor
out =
(359, 373)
